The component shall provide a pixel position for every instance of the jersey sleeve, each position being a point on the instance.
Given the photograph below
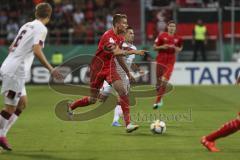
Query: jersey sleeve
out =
(134, 47)
(124, 46)
(108, 42)
(128, 47)
(40, 36)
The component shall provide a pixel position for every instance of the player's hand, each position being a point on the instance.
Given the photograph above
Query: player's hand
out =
(141, 72)
(177, 49)
(57, 75)
(131, 78)
(165, 46)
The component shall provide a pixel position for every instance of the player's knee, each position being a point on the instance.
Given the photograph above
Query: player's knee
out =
(163, 80)
(10, 104)
(10, 109)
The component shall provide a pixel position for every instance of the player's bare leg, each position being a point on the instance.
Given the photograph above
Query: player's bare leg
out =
(4, 118)
(117, 110)
(226, 130)
(22, 104)
(103, 95)
(124, 102)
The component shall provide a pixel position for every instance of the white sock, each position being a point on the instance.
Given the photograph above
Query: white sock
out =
(117, 113)
(11, 121)
(120, 112)
(3, 124)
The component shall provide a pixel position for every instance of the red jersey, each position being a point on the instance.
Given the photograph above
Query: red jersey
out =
(109, 37)
(103, 66)
(168, 54)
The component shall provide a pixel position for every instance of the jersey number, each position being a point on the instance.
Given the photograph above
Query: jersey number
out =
(18, 39)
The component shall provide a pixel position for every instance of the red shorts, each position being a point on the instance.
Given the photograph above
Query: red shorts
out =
(100, 72)
(165, 66)
(164, 71)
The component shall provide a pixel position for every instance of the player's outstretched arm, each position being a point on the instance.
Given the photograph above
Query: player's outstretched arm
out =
(137, 52)
(117, 51)
(37, 49)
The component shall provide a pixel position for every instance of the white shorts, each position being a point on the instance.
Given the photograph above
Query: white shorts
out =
(12, 89)
(106, 89)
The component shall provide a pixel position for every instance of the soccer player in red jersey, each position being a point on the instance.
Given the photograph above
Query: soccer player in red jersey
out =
(103, 68)
(168, 44)
(226, 130)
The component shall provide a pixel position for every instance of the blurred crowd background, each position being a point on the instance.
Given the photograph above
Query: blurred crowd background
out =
(82, 22)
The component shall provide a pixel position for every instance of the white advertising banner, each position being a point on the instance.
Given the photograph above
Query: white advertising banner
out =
(185, 73)
(211, 73)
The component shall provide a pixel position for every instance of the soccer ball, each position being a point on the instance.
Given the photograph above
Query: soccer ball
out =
(158, 127)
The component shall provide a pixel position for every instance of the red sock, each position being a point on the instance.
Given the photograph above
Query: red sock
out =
(124, 102)
(160, 93)
(227, 129)
(80, 103)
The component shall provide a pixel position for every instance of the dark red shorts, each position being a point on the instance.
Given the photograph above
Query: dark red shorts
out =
(164, 70)
(99, 73)
(165, 66)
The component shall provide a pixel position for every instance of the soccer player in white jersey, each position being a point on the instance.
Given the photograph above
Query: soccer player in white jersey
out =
(28, 42)
(107, 88)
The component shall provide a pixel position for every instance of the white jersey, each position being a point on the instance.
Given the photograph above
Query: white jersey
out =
(19, 61)
(128, 59)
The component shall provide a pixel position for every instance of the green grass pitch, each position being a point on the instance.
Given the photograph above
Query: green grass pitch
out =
(190, 112)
